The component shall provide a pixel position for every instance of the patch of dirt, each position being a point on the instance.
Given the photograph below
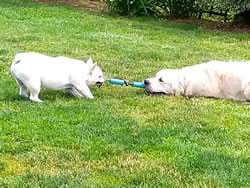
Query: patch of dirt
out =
(90, 5)
(215, 25)
(99, 6)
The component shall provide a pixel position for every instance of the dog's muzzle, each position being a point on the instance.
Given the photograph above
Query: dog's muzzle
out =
(148, 92)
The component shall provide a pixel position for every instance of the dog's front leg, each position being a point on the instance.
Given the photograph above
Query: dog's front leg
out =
(74, 92)
(84, 89)
(247, 92)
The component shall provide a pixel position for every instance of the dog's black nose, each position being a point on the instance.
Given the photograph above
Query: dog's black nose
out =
(146, 82)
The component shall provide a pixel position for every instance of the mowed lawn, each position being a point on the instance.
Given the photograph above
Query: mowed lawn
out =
(122, 138)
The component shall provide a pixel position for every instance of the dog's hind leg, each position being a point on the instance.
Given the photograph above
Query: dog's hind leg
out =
(23, 88)
(34, 88)
(74, 92)
(34, 95)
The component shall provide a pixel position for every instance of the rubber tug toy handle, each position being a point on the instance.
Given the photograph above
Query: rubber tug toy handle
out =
(127, 83)
(138, 84)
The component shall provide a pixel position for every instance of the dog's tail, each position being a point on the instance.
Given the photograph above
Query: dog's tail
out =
(15, 62)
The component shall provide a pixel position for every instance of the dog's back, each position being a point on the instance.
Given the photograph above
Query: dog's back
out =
(230, 80)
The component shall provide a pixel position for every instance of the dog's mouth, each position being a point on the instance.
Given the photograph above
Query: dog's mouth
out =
(99, 84)
(148, 92)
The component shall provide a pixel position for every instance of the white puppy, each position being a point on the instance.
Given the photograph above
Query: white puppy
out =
(228, 80)
(33, 71)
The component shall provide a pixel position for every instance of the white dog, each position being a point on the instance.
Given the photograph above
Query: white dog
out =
(33, 71)
(228, 80)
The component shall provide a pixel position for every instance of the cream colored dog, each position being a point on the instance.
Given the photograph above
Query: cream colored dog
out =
(227, 80)
(33, 71)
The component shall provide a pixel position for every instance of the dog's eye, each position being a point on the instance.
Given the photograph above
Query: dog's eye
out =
(161, 80)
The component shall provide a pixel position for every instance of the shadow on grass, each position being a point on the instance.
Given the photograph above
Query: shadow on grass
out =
(92, 130)
(10, 93)
(227, 170)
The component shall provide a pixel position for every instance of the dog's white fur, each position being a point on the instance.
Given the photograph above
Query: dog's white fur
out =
(228, 80)
(34, 70)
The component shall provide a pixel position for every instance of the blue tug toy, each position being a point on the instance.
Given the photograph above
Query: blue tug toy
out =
(126, 83)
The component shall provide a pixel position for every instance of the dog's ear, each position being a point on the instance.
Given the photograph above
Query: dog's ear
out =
(92, 67)
(178, 89)
(90, 61)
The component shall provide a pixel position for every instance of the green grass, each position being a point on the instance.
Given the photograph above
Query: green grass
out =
(122, 138)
